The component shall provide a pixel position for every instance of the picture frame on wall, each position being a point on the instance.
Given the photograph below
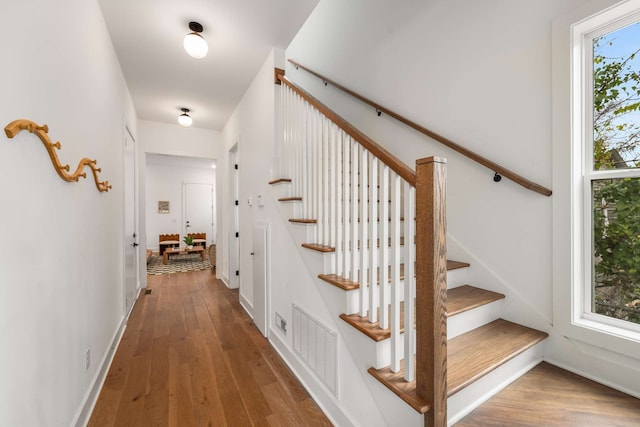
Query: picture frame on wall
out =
(163, 206)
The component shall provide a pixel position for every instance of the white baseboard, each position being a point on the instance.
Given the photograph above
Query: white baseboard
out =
(246, 305)
(592, 377)
(323, 398)
(82, 417)
(225, 279)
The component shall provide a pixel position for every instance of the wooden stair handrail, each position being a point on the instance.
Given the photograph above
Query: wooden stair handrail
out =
(395, 164)
(502, 171)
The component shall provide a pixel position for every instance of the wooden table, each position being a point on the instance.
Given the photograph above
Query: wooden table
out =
(174, 251)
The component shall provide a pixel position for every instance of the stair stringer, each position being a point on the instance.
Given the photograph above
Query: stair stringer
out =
(355, 402)
(361, 350)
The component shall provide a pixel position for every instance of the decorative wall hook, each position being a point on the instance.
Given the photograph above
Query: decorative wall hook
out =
(378, 112)
(497, 177)
(325, 82)
(13, 128)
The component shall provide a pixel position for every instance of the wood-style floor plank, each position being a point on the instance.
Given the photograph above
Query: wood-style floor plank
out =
(190, 356)
(553, 397)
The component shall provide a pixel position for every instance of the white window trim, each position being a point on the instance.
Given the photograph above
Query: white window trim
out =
(571, 229)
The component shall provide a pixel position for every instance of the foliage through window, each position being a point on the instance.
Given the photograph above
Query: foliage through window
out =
(613, 176)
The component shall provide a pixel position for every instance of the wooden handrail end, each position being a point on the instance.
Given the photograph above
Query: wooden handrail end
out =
(278, 74)
(431, 159)
(540, 189)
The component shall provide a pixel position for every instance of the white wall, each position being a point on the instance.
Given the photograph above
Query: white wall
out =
(253, 127)
(61, 263)
(479, 73)
(165, 179)
(175, 140)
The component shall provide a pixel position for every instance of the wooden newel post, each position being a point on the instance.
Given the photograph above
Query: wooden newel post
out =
(431, 288)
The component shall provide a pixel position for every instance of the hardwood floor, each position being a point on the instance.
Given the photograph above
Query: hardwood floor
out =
(549, 396)
(190, 356)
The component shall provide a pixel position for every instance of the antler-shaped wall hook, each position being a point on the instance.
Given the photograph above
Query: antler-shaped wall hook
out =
(13, 128)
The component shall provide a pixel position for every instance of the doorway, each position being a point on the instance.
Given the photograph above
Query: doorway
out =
(131, 264)
(198, 209)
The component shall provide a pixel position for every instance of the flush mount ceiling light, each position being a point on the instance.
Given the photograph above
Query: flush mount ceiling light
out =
(194, 43)
(185, 119)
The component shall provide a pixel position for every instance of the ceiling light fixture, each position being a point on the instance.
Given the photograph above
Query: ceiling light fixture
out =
(185, 119)
(194, 43)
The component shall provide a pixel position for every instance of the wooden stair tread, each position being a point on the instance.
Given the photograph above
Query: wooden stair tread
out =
(454, 265)
(478, 352)
(465, 298)
(406, 391)
(339, 281)
(290, 199)
(470, 356)
(349, 285)
(325, 248)
(303, 220)
(459, 300)
(314, 221)
(319, 248)
(279, 181)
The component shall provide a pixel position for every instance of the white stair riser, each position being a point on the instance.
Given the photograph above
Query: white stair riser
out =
(472, 396)
(472, 319)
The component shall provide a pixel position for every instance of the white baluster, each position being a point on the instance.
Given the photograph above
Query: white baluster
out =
(395, 273)
(354, 210)
(374, 247)
(317, 180)
(384, 248)
(326, 173)
(346, 195)
(339, 233)
(364, 232)
(302, 178)
(409, 280)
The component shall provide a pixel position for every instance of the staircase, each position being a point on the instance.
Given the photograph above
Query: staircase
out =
(353, 205)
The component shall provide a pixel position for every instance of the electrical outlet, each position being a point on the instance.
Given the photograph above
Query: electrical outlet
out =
(87, 358)
(281, 323)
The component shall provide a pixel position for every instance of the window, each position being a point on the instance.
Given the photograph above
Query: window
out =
(606, 175)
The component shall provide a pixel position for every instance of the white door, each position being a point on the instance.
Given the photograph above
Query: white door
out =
(130, 235)
(198, 209)
(260, 275)
(234, 234)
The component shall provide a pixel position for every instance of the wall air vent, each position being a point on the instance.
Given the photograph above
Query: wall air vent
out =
(317, 347)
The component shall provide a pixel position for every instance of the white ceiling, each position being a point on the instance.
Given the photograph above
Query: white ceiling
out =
(162, 78)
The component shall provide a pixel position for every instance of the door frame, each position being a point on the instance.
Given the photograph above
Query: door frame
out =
(261, 297)
(130, 212)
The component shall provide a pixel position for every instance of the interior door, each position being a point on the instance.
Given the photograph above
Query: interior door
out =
(198, 212)
(130, 282)
(260, 255)
(234, 233)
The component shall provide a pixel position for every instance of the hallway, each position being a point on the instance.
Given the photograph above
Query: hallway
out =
(190, 356)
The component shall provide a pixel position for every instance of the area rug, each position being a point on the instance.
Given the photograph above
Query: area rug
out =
(177, 264)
